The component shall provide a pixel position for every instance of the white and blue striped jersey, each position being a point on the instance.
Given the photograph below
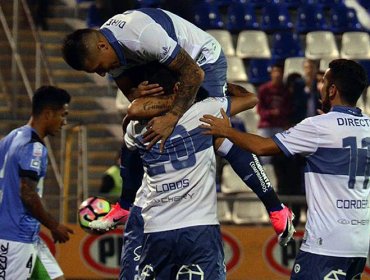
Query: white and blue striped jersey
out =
(145, 35)
(337, 149)
(22, 154)
(181, 180)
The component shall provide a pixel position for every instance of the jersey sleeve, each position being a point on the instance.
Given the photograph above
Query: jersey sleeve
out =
(129, 137)
(32, 160)
(300, 139)
(156, 44)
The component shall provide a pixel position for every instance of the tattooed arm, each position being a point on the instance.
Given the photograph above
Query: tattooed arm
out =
(33, 204)
(190, 79)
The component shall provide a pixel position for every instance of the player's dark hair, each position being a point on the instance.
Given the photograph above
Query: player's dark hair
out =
(349, 77)
(49, 97)
(75, 47)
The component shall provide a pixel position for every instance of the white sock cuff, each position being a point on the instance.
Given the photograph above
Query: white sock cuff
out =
(225, 147)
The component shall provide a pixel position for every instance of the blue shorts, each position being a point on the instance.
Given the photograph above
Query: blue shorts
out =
(308, 266)
(214, 83)
(132, 243)
(189, 253)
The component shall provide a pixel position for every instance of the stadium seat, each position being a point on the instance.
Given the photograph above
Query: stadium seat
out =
(253, 44)
(324, 63)
(355, 45)
(250, 117)
(241, 16)
(292, 4)
(343, 19)
(293, 65)
(235, 69)
(231, 183)
(225, 39)
(276, 17)
(285, 44)
(259, 70)
(249, 212)
(207, 16)
(148, 3)
(321, 44)
(223, 211)
(259, 3)
(327, 4)
(366, 64)
(310, 17)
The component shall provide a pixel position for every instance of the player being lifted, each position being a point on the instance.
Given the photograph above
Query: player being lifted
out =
(140, 36)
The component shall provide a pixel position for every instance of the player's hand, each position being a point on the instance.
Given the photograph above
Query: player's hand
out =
(146, 89)
(159, 129)
(61, 233)
(216, 126)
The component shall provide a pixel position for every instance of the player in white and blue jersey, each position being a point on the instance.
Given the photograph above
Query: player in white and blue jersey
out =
(179, 212)
(23, 165)
(141, 36)
(336, 146)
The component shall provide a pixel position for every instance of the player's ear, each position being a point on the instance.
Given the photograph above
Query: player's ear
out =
(102, 45)
(333, 91)
(176, 87)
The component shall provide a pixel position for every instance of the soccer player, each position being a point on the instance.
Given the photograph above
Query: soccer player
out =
(131, 164)
(23, 165)
(141, 36)
(336, 147)
(179, 212)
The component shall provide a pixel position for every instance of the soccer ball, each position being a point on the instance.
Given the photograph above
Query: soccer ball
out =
(91, 209)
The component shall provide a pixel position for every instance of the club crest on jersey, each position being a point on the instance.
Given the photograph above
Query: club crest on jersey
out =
(35, 163)
(37, 149)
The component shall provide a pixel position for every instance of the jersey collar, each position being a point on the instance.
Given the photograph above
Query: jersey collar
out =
(355, 111)
(115, 44)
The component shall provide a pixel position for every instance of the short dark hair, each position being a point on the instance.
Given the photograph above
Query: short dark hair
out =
(47, 97)
(155, 73)
(75, 47)
(349, 77)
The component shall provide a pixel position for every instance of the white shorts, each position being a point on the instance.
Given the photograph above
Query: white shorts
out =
(16, 259)
(48, 261)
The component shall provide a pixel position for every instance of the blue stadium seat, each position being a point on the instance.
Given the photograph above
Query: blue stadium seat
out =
(259, 70)
(276, 17)
(93, 17)
(148, 3)
(207, 16)
(310, 18)
(365, 4)
(286, 44)
(259, 3)
(327, 4)
(343, 19)
(366, 64)
(241, 17)
(292, 4)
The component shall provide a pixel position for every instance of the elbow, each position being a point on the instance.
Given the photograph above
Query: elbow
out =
(133, 112)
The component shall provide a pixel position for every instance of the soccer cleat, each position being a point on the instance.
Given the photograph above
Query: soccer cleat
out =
(116, 216)
(282, 222)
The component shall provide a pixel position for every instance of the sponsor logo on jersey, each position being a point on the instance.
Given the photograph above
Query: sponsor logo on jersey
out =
(4, 249)
(37, 149)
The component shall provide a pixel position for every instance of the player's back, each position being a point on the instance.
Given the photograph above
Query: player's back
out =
(181, 180)
(337, 184)
(21, 155)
